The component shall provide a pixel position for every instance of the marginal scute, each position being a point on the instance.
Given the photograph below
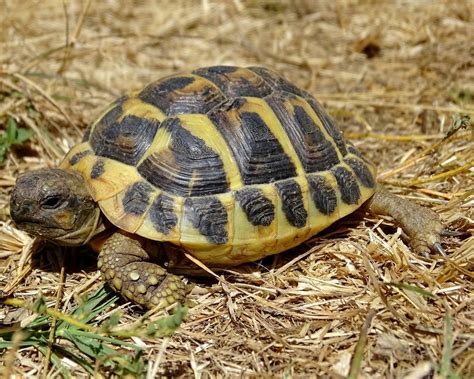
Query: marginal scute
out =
(97, 169)
(137, 198)
(347, 183)
(292, 202)
(209, 216)
(128, 208)
(322, 193)
(76, 158)
(115, 178)
(162, 214)
(362, 171)
(259, 209)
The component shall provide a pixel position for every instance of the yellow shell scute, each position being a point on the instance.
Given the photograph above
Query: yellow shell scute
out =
(78, 157)
(202, 127)
(135, 107)
(116, 176)
(115, 209)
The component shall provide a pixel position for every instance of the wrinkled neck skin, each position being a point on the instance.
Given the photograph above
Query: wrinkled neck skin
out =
(93, 227)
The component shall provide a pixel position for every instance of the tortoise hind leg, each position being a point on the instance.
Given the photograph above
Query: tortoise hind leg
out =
(125, 265)
(422, 225)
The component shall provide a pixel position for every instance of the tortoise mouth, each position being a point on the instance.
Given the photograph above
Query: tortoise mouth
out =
(62, 236)
(37, 230)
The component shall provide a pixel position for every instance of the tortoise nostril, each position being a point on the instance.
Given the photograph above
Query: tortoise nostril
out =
(20, 212)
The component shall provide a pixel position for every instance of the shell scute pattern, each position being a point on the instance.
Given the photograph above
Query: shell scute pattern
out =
(258, 152)
(162, 214)
(323, 194)
(237, 161)
(75, 158)
(209, 216)
(236, 82)
(362, 171)
(333, 131)
(188, 167)
(292, 202)
(278, 83)
(259, 209)
(182, 94)
(315, 150)
(124, 139)
(137, 198)
(97, 169)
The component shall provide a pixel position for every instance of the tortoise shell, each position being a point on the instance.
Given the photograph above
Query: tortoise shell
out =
(232, 164)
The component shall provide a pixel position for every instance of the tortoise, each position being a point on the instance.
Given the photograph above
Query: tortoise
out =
(228, 164)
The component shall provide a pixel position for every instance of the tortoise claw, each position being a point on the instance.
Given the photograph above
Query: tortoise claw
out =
(450, 233)
(439, 249)
(425, 254)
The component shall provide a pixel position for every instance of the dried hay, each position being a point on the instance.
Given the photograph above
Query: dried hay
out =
(393, 75)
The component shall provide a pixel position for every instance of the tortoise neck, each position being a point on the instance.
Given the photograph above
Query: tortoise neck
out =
(97, 225)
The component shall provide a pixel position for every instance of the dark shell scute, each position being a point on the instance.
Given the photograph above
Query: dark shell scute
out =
(209, 216)
(322, 193)
(182, 95)
(162, 214)
(292, 202)
(315, 152)
(277, 82)
(347, 183)
(175, 83)
(188, 168)
(362, 172)
(87, 134)
(236, 82)
(217, 69)
(97, 169)
(328, 124)
(124, 140)
(76, 158)
(259, 209)
(258, 153)
(137, 198)
(353, 150)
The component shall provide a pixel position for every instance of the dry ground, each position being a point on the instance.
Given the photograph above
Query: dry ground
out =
(393, 74)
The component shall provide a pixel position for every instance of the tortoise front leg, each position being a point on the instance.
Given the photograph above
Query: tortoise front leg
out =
(422, 225)
(126, 267)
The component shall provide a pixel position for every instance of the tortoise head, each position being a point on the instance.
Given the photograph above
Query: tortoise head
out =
(55, 205)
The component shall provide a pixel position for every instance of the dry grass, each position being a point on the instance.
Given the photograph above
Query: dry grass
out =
(392, 73)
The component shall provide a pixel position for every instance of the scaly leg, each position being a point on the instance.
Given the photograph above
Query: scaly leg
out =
(125, 265)
(422, 225)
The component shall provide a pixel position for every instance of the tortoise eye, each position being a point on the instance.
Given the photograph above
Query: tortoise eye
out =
(51, 202)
